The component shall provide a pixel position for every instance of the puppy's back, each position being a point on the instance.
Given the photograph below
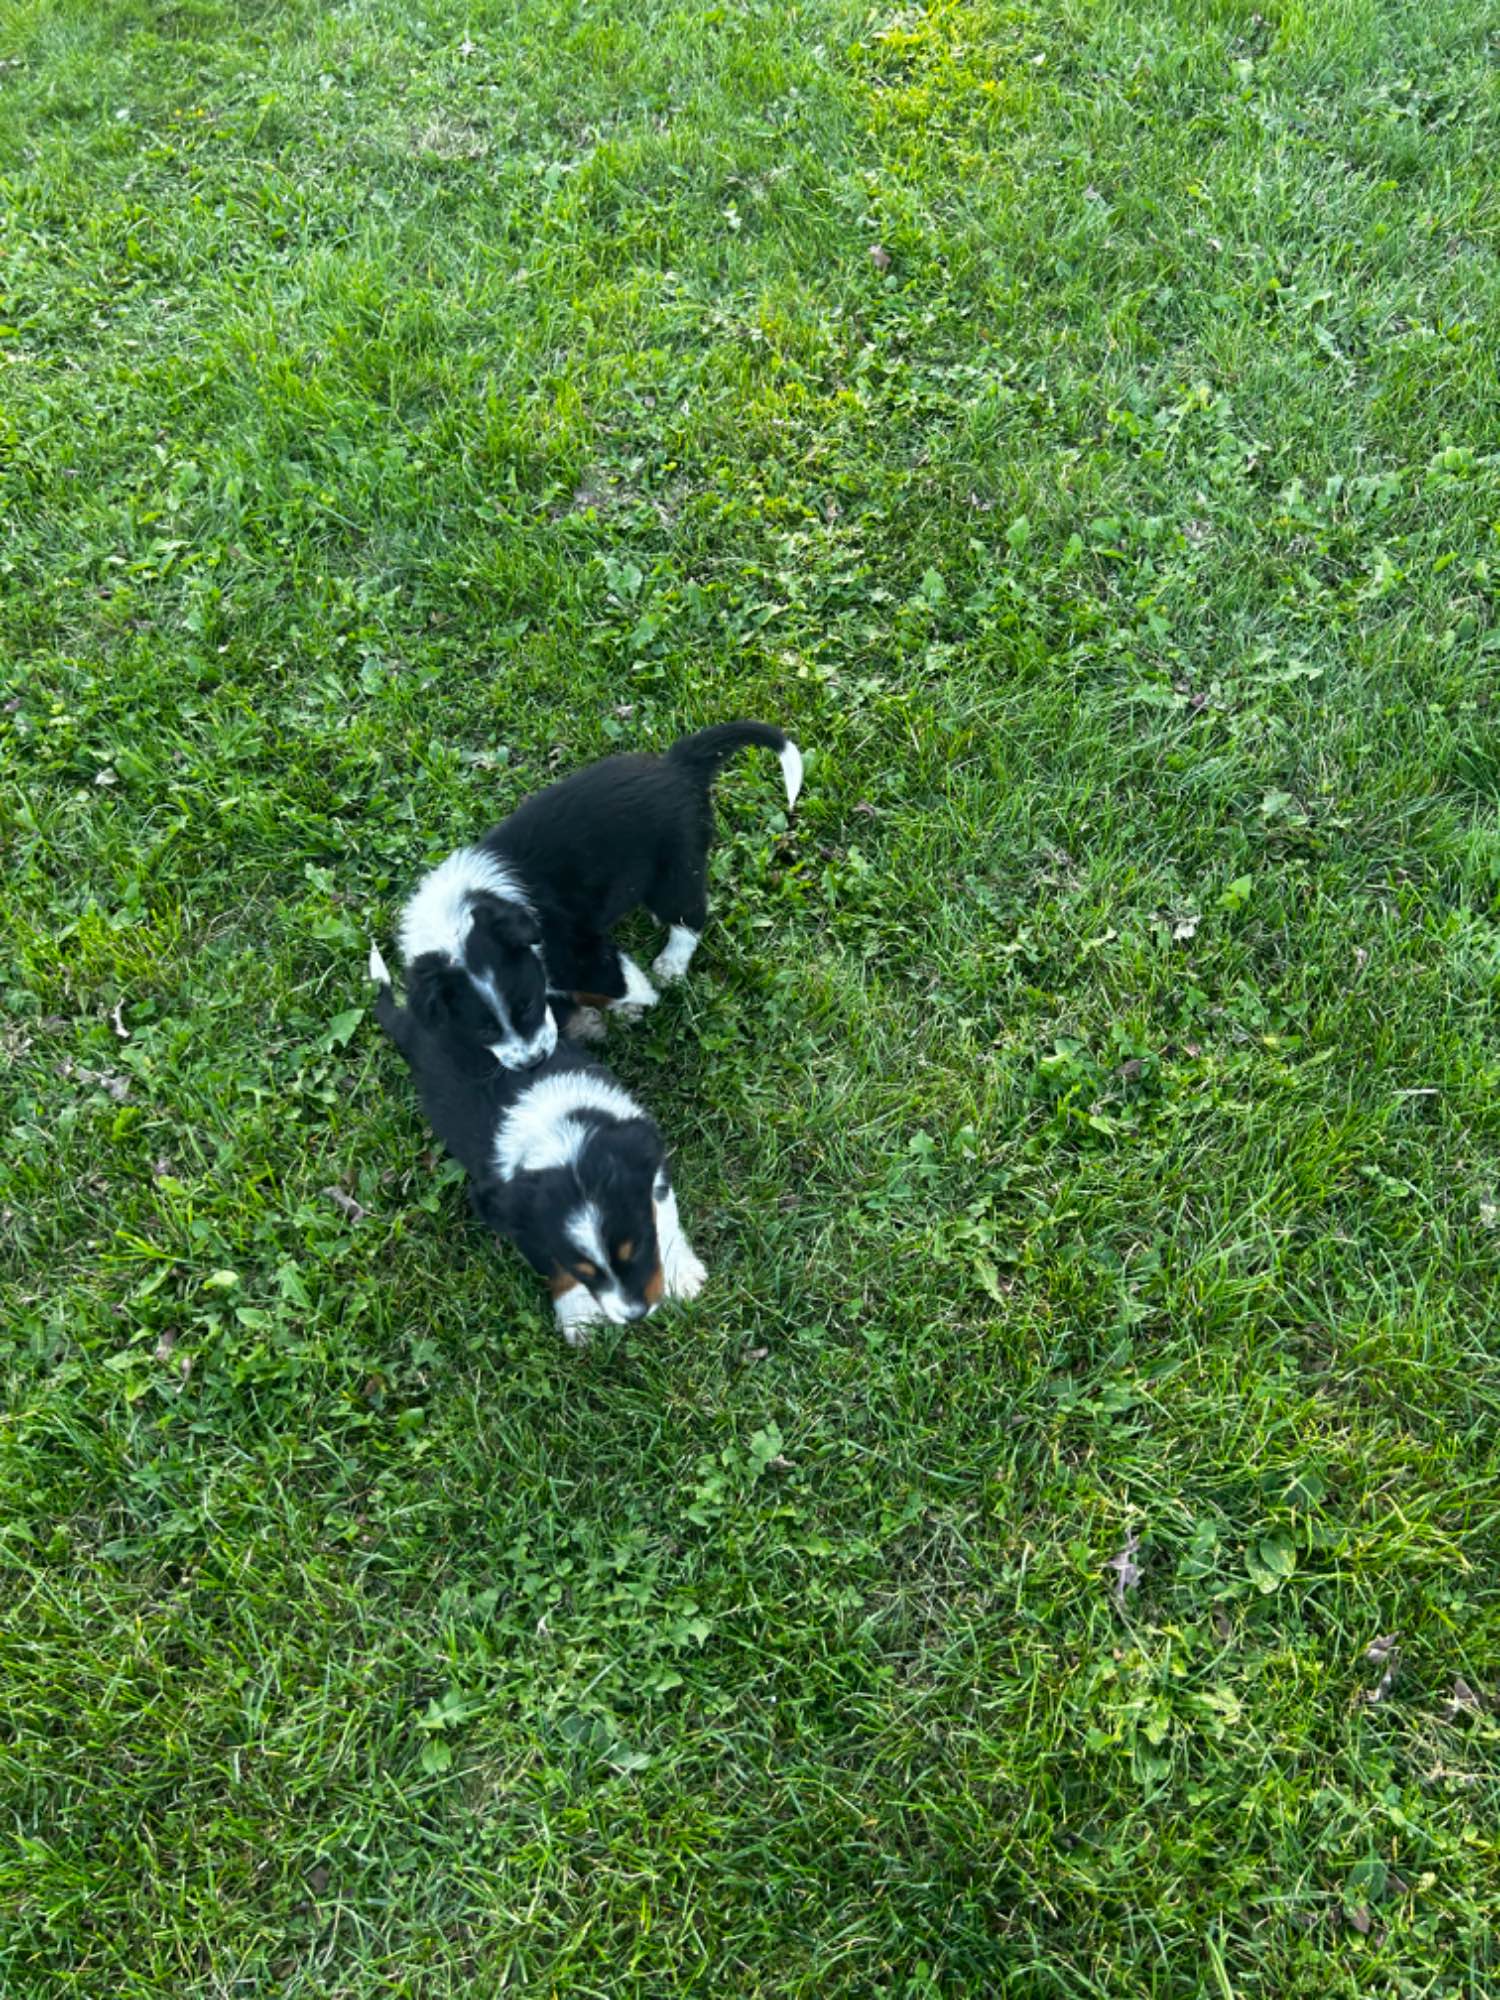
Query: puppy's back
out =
(585, 838)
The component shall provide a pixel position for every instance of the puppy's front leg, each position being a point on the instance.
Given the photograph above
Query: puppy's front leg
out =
(683, 1274)
(576, 1308)
(639, 992)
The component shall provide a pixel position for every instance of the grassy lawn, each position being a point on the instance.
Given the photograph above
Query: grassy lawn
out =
(1060, 1553)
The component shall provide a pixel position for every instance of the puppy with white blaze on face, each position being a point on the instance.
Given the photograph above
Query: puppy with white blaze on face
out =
(473, 951)
(505, 939)
(562, 1162)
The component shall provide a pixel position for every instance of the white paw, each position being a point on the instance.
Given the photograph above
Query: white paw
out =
(639, 992)
(625, 1010)
(378, 970)
(685, 1276)
(586, 1025)
(669, 966)
(676, 955)
(578, 1311)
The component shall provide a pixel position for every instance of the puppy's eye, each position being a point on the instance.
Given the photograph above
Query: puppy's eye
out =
(585, 1269)
(625, 1251)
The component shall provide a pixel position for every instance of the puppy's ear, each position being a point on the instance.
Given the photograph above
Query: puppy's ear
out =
(632, 1155)
(432, 987)
(506, 924)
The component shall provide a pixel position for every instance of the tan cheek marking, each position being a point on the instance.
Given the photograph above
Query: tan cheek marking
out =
(593, 1000)
(561, 1281)
(625, 1251)
(652, 1290)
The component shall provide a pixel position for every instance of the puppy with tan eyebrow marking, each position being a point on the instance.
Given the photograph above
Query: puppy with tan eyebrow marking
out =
(562, 1162)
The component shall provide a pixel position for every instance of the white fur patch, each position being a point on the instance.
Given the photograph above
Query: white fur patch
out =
(577, 1310)
(438, 916)
(676, 955)
(586, 1234)
(378, 970)
(514, 1053)
(639, 992)
(683, 1274)
(543, 1130)
(791, 771)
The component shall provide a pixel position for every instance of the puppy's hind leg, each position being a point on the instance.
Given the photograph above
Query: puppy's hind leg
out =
(676, 955)
(680, 901)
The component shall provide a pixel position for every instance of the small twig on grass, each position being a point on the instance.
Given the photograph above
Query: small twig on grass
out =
(1127, 1570)
(351, 1208)
(1387, 1654)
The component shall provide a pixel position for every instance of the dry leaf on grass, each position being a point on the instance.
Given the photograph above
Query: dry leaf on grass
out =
(1462, 1701)
(165, 1349)
(1383, 1652)
(351, 1208)
(109, 1081)
(1127, 1570)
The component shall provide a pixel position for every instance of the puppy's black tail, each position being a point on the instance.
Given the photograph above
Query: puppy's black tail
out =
(704, 752)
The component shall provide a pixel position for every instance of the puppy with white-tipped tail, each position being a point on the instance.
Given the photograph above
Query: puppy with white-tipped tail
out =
(504, 939)
(562, 1162)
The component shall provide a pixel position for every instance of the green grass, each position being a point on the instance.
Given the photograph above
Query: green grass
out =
(1089, 1108)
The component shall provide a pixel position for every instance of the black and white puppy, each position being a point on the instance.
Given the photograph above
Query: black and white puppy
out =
(562, 1162)
(503, 937)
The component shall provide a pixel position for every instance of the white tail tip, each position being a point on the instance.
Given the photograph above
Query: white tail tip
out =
(791, 771)
(377, 967)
